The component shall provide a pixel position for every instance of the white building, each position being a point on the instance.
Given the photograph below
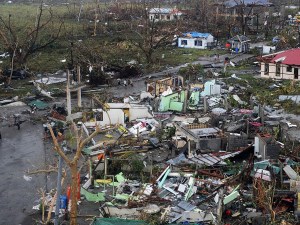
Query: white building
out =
(164, 14)
(118, 113)
(196, 40)
(281, 65)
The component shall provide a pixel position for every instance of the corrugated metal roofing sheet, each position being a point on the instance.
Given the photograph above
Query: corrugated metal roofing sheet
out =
(289, 57)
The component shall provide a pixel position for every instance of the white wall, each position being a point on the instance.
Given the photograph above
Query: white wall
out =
(210, 38)
(116, 116)
(191, 43)
(137, 113)
(284, 74)
(162, 17)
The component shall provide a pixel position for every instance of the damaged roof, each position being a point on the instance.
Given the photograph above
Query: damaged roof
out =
(195, 34)
(289, 57)
(233, 3)
(165, 11)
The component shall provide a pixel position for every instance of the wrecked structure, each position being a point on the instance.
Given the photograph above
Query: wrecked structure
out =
(193, 154)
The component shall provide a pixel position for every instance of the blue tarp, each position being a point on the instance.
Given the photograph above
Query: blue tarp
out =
(195, 34)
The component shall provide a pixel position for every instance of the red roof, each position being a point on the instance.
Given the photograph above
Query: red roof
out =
(288, 57)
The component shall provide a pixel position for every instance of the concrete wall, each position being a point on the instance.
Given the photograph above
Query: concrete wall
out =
(284, 73)
(272, 151)
(268, 148)
(236, 142)
(140, 112)
(116, 116)
(210, 144)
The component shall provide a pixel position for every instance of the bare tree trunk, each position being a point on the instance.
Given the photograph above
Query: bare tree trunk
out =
(12, 65)
(73, 163)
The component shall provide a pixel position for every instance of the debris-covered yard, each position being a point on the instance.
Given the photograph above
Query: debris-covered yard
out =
(220, 147)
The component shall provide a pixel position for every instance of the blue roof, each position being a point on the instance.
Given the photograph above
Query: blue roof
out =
(196, 34)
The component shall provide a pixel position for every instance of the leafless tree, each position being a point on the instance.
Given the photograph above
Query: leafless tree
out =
(150, 35)
(21, 44)
(73, 163)
(244, 12)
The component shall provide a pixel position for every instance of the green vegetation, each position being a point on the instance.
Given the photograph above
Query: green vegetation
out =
(111, 45)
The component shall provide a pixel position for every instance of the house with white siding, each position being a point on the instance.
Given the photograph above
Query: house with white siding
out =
(281, 65)
(164, 14)
(196, 40)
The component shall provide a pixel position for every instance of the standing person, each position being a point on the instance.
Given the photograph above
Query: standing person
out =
(17, 120)
(0, 135)
(125, 82)
(119, 81)
(130, 83)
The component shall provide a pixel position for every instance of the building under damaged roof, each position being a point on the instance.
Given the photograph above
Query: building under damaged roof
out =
(281, 65)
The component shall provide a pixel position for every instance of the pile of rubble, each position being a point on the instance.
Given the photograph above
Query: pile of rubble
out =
(203, 153)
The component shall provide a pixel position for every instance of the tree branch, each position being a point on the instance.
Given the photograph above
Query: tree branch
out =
(57, 147)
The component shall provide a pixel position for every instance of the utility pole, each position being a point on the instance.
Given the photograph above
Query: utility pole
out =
(58, 191)
(68, 94)
(79, 104)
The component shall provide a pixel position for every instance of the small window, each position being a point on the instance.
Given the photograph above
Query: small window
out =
(99, 116)
(183, 42)
(156, 16)
(289, 69)
(278, 70)
(168, 17)
(266, 69)
(198, 43)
